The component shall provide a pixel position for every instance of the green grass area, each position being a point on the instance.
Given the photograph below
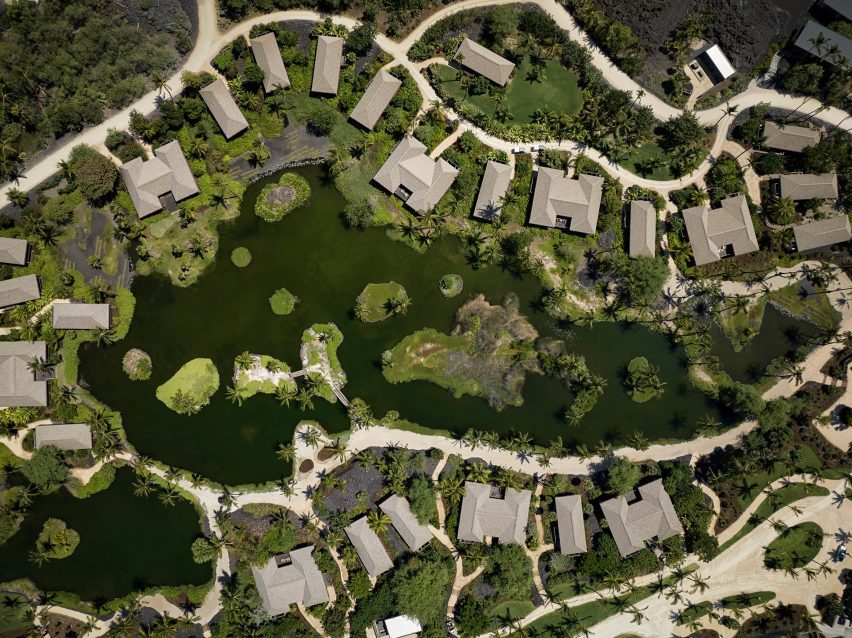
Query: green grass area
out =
(283, 301)
(795, 547)
(815, 308)
(694, 611)
(241, 256)
(13, 613)
(741, 327)
(99, 481)
(783, 496)
(634, 163)
(555, 90)
(422, 356)
(380, 301)
(451, 285)
(749, 486)
(745, 600)
(506, 612)
(571, 620)
(197, 379)
(642, 381)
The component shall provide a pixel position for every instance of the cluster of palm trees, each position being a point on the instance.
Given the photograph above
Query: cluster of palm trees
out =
(147, 482)
(59, 542)
(645, 380)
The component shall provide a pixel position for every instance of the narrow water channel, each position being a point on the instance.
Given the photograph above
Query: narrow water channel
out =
(326, 265)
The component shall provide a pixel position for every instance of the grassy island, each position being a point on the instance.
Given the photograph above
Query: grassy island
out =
(488, 353)
(795, 547)
(643, 382)
(241, 257)
(380, 301)
(283, 302)
(276, 201)
(55, 541)
(191, 387)
(319, 356)
(137, 365)
(451, 285)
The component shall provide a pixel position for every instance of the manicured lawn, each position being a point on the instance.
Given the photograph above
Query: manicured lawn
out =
(649, 149)
(556, 90)
(785, 495)
(815, 308)
(796, 547)
(748, 487)
(694, 611)
(375, 302)
(742, 601)
(512, 610)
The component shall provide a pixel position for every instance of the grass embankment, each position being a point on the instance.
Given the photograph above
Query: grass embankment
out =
(795, 547)
(191, 387)
(424, 355)
(555, 90)
(783, 497)
(571, 620)
(380, 301)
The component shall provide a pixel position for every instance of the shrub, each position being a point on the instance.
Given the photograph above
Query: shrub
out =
(622, 476)
(322, 121)
(277, 200)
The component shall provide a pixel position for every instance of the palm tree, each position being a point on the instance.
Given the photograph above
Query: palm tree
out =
(286, 451)
(309, 436)
(234, 394)
(285, 393)
(160, 83)
(378, 521)
(244, 360)
(305, 399)
(17, 197)
(782, 210)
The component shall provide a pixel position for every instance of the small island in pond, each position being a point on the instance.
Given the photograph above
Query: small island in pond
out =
(283, 302)
(276, 201)
(241, 256)
(380, 301)
(451, 285)
(255, 373)
(137, 365)
(488, 354)
(191, 387)
(55, 541)
(643, 382)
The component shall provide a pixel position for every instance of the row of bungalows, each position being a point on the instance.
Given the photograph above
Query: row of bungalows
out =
(294, 578)
(492, 514)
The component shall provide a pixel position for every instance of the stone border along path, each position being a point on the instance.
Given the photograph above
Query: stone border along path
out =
(208, 43)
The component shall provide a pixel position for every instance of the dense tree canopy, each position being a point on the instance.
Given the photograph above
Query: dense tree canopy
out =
(45, 468)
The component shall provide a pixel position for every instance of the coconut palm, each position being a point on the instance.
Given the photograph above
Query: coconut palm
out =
(244, 360)
(286, 451)
(285, 393)
(234, 394)
(309, 435)
(378, 521)
(782, 210)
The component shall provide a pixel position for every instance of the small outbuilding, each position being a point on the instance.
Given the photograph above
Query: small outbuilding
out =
(267, 56)
(224, 109)
(81, 316)
(369, 546)
(485, 62)
(643, 229)
(376, 99)
(824, 232)
(397, 627)
(495, 184)
(65, 436)
(716, 63)
(329, 56)
(18, 290)
(14, 251)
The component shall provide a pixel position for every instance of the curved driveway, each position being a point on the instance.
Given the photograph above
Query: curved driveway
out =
(210, 40)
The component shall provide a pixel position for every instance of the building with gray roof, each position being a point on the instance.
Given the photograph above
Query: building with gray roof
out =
(641, 517)
(329, 56)
(288, 579)
(19, 290)
(81, 316)
(267, 56)
(491, 512)
(786, 137)
(643, 229)
(414, 177)
(375, 99)
(721, 232)
(411, 530)
(369, 546)
(18, 384)
(14, 251)
(148, 181)
(65, 436)
(832, 40)
(561, 202)
(478, 59)
(824, 232)
(800, 186)
(224, 109)
(570, 525)
(492, 190)
(842, 8)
